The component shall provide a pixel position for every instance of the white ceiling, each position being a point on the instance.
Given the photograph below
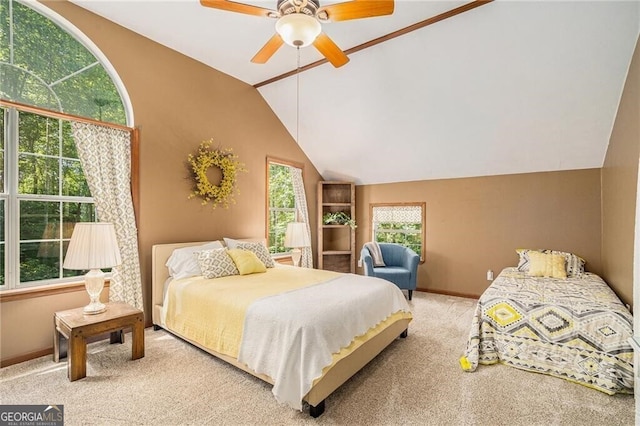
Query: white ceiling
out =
(509, 87)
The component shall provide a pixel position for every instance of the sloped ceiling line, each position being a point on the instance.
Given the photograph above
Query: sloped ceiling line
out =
(429, 21)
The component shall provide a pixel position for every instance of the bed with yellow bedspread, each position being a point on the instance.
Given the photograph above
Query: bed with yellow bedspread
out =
(305, 331)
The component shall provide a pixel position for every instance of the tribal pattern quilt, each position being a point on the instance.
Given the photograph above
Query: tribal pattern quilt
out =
(574, 328)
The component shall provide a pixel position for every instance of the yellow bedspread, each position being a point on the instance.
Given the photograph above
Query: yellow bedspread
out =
(224, 302)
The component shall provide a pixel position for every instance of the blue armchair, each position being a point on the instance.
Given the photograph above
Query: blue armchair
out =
(401, 265)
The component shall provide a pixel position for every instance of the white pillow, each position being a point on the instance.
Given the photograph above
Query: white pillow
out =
(183, 263)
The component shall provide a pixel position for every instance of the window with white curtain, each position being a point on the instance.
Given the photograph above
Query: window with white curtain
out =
(402, 223)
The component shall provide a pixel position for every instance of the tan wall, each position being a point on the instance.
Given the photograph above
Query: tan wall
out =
(619, 186)
(475, 224)
(177, 103)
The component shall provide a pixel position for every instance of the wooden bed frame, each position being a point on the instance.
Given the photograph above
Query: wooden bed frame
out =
(339, 373)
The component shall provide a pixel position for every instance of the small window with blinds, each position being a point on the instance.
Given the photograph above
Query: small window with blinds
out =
(401, 223)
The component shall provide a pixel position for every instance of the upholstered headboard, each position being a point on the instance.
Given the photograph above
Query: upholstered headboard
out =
(160, 253)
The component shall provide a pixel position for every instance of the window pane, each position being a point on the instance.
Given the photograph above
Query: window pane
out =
(73, 213)
(282, 206)
(2, 243)
(39, 261)
(68, 142)
(92, 94)
(1, 222)
(5, 51)
(2, 132)
(38, 175)
(70, 272)
(280, 187)
(18, 85)
(39, 220)
(73, 180)
(61, 55)
(411, 240)
(38, 135)
(277, 228)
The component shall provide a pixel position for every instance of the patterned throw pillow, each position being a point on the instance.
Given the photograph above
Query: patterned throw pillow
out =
(259, 250)
(575, 264)
(246, 261)
(216, 263)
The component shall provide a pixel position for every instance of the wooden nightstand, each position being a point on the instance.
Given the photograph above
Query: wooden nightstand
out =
(74, 327)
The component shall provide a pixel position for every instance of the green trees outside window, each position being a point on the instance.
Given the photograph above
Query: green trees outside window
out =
(51, 194)
(282, 206)
(43, 65)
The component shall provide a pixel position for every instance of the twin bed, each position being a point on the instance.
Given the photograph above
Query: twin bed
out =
(305, 331)
(574, 327)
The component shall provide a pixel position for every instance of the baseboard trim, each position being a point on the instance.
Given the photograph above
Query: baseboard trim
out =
(49, 351)
(450, 293)
(25, 357)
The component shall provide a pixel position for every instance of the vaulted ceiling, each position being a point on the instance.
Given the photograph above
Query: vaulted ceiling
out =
(508, 87)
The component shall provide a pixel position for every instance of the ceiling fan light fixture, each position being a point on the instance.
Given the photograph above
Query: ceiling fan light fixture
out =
(298, 29)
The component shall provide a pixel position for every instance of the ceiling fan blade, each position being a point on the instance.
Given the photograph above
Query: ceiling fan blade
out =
(355, 9)
(240, 8)
(330, 50)
(268, 49)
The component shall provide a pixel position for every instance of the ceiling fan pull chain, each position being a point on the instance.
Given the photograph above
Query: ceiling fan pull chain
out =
(298, 96)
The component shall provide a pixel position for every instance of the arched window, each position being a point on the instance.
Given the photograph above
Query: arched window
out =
(43, 191)
(43, 65)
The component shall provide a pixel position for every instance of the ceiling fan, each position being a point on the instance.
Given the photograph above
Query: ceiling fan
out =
(299, 23)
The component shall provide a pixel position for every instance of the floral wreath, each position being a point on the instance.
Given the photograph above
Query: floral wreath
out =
(227, 162)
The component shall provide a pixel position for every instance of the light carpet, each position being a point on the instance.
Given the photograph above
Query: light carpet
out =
(416, 380)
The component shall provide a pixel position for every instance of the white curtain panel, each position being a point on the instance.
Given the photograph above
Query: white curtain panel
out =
(306, 261)
(105, 155)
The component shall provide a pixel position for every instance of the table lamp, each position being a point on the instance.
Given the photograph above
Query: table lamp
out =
(296, 237)
(93, 246)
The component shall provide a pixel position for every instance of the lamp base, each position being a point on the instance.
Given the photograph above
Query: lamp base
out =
(94, 308)
(296, 254)
(94, 283)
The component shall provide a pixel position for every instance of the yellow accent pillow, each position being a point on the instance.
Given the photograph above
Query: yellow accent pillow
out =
(246, 261)
(547, 265)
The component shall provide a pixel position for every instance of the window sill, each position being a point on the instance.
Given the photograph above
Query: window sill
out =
(49, 290)
(284, 259)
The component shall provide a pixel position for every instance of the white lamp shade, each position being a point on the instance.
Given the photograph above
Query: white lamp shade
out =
(296, 235)
(298, 29)
(93, 245)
